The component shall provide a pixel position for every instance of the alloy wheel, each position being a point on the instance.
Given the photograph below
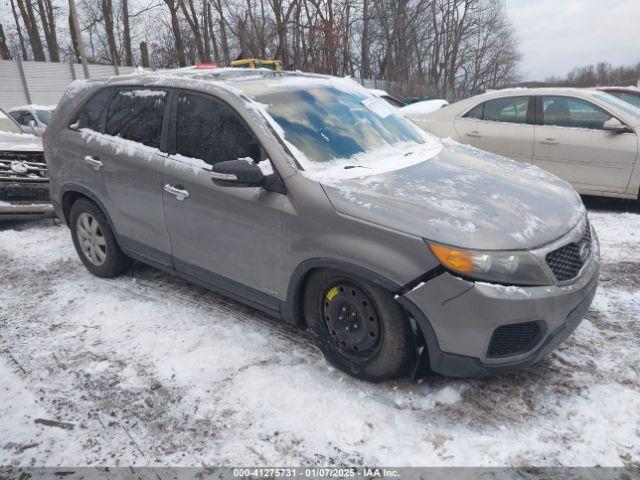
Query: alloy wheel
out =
(91, 239)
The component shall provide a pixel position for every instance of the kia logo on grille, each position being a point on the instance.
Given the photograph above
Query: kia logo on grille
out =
(584, 251)
(18, 167)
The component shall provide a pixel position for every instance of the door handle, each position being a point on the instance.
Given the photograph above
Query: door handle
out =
(93, 161)
(474, 134)
(177, 191)
(550, 141)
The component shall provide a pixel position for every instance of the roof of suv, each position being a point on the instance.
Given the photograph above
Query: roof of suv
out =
(251, 82)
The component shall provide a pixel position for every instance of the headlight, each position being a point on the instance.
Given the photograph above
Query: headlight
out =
(511, 268)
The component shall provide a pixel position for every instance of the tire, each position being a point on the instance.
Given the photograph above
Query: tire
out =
(358, 326)
(94, 241)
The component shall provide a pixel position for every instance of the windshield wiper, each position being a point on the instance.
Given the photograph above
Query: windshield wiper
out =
(349, 167)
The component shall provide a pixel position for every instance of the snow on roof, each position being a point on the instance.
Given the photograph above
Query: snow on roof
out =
(32, 106)
(423, 108)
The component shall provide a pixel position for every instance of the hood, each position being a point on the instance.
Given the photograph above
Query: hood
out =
(464, 197)
(19, 142)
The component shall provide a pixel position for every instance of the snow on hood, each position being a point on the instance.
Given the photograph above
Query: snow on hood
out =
(466, 198)
(20, 142)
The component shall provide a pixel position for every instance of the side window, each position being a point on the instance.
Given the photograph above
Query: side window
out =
(26, 118)
(17, 116)
(632, 98)
(476, 112)
(211, 131)
(136, 114)
(509, 110)
(573, 113)
(89, 115)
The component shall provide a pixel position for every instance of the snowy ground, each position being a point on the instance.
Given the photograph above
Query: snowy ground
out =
(149, 370)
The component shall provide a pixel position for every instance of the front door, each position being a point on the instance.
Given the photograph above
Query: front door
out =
(228, 236)
(571, 143)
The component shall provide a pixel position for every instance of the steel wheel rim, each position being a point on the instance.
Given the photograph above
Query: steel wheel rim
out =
(352, 319)
(91, 239)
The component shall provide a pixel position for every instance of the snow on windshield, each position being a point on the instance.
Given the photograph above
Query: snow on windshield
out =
(338, 130)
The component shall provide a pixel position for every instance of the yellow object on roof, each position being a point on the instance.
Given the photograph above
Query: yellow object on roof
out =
(252, 63)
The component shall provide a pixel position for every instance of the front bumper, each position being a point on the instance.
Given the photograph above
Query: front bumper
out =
(25, 211)
(459, 317)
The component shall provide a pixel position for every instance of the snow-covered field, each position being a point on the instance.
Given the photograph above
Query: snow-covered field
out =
(149, 370)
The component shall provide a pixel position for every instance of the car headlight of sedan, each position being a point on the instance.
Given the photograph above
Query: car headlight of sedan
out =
(510, 268)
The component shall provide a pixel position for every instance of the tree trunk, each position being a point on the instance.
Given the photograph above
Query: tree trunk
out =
(4, 50)
(223, 32)
(144, 54)
(23, 48)
(212, 34)
(126, 34)
(26, 10)
(365, 63)
(192, 20)
(49, 26)
(74, 40)
(206, 39)
(107, 14)
(175, 26)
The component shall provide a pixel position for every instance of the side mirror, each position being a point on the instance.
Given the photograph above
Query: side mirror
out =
(614, 125)
(33, 126)
(242, 172)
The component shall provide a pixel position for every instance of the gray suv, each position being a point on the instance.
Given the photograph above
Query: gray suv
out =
(310, 199)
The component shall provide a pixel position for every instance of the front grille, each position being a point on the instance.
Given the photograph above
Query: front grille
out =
(22, 165)
(514, 339)
(567, 261)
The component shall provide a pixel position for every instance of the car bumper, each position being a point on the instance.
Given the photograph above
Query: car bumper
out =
(458, 319)
(25, 211)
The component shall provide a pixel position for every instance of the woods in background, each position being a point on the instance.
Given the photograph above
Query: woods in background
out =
(443, 48)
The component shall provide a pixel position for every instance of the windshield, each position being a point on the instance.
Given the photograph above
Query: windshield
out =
(326, 123)
(43, 116)
(8, 125)
(617, 103)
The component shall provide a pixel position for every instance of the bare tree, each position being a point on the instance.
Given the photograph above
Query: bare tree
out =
(4, 49)
(29, 19)
(23, 47)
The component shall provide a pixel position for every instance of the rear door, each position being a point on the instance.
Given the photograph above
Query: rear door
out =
(571, 143)
(228, 236)
(502, 125)
(124, 164)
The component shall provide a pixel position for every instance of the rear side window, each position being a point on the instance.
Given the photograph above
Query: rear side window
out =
(508, 110)
(573, 113)
(632, 98)
(211, 131)
(89, 115)
(137, 114)
(476, 112)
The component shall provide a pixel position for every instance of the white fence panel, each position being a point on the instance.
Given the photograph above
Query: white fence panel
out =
(11, 91)
(47, 81)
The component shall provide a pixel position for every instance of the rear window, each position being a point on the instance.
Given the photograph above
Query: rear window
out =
(89, 115)
(137, 114)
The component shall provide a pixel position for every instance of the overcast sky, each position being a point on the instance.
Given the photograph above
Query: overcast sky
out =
(558, 35)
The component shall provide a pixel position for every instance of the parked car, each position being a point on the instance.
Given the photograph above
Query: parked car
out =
(303, 196)
(32, 119)
(587, 137)
(387, 97)
(627, 94)
(424, 107)
(24, 185)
